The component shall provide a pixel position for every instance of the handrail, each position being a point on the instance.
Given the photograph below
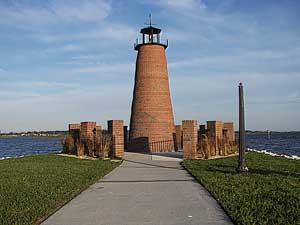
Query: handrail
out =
(166, 44)
(162, 146)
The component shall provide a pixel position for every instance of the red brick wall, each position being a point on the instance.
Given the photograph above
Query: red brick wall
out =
(74, 131)
(86, 130)
(74, 126)
(190, 139)
(152, 118)
(215, 129)
(215, 133)
(116, 130)
(229, 126)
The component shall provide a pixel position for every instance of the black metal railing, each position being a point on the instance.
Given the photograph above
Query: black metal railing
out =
(162, 146)
(137, 43)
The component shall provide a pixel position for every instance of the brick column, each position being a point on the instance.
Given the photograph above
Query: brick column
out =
(229, 126)
(190, 139)
(99, 131)
(86, 131)
(215, 134)
(74, 131)
(178, 130)
(116, 130)
(87, 137)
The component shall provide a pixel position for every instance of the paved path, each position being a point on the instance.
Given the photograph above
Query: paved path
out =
(142, 191)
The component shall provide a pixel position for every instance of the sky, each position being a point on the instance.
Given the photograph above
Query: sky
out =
(65, 61)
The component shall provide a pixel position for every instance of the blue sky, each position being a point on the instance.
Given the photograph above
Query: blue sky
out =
(67, 61)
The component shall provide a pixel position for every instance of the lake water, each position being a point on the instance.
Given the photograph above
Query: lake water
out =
(279, 143)
(22, 146)
(286, 143)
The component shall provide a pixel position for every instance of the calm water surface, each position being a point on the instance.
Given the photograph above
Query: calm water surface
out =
(280, 143)
(287, 143)
(22, 146)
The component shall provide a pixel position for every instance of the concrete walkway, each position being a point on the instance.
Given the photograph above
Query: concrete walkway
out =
(142, 191)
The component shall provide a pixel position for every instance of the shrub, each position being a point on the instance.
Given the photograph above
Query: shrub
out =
(68, 144)
(103, 145)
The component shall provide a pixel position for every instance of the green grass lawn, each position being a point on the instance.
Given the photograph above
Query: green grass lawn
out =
(268, 194)
(35, 186)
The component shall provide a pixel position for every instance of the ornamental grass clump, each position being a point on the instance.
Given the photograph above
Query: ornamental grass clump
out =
(98, 146)
(103, 146)
(209, 147)
(68, 144)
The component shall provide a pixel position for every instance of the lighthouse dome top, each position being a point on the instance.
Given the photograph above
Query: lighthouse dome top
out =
(150, 36)
(150, 30)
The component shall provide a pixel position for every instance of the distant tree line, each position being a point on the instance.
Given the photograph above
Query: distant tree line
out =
(36, 133)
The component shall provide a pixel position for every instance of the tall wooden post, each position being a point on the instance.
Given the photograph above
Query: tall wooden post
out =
(242, 165)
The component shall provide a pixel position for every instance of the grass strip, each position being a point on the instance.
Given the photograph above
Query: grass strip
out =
(34, 187)
(268, 194)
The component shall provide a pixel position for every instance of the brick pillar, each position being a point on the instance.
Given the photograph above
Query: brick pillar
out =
(116, 130)
(215, 134)
(99, 131)
(190, 139)
(178, 130)
(87, 137)
(229, 126)
(125, 137)
(86, 130)
(74, 131)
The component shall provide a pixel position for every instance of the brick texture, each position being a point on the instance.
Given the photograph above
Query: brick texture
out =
(190, 139)
(87, 137)
(86, 131)
(74, 131)
(152, 122)
(116, 130)
(215, 129)
(229, 128)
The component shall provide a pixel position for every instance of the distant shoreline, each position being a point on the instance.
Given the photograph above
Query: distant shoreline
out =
(63, 133)
(270, 131)
(33, 136)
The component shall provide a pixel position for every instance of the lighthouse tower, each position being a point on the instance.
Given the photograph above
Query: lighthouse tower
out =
(152, 122)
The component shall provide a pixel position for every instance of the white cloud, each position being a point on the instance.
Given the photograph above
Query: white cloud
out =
(10, 95)
(20, 14)
(65, 49)
(180, 5)
(99, 102)
(44, 84)
(240, 59)
(102, 32)
(110, 31)
(24, 89)
(83, 10)
(56, 11)
(106, 70)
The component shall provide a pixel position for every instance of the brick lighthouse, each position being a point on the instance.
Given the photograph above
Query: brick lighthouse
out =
(152, 122)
